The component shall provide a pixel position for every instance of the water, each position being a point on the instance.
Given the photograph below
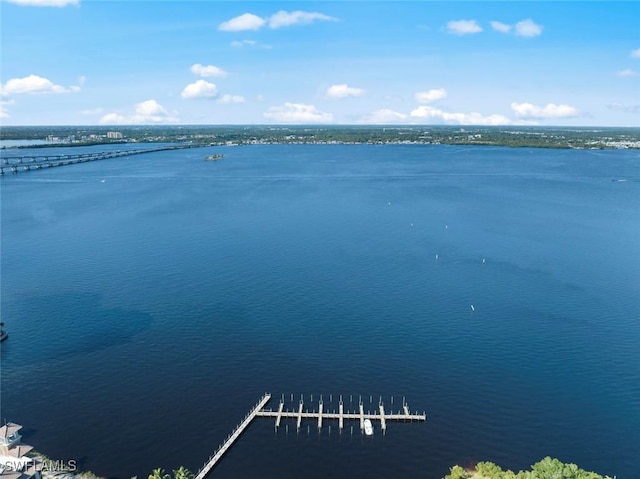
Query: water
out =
(14, 143)
(152, 300)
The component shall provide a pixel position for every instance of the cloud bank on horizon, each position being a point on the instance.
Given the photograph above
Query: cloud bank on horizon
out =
(339, 64)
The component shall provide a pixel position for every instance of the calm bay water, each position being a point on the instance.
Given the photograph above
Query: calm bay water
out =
(152, 300)
(14, 143)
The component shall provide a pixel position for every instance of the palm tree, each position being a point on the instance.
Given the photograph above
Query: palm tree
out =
(182, 473)
(157, 474)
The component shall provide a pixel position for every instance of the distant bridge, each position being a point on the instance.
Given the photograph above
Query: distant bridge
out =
(17, 164)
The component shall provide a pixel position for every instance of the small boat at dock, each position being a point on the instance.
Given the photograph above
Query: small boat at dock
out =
(368, 427)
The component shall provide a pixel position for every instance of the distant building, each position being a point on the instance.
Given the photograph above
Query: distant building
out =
(114, 135)
(14, 463)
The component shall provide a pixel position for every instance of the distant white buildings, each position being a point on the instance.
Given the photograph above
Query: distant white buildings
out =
(14, 462)
(114, 135)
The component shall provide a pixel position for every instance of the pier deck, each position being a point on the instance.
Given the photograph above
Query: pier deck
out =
(279, 413)
(232, 438)
(355, 416)
(380, 414)
(360, 415)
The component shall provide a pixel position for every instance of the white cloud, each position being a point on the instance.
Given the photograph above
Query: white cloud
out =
(286, 19)
(45, 3)
(149, 111)
(246, 21)
(297, 113)
(249, 21)
(200, 89)
(231, 99)
(115, 119)
(207, 71)
(4, 113)
(528, 28)
(463, 27)
(343, 91)
(431, 113)
(34, 84)
(627, 73)
(530, 111)
(384, 116)
(524, 28)
(500, 27)
(635, 53)
(430, 95)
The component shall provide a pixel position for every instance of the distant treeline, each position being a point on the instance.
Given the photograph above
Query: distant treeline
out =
(524, 136)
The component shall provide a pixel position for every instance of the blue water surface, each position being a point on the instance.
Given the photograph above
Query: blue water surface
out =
(151, 300)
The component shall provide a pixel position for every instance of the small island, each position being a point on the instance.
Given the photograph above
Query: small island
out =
(214, 157)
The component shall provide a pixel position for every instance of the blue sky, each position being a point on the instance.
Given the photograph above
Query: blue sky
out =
(87, 62)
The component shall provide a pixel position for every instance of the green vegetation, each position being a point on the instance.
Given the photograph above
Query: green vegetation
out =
(548, 468)
(523, 136)
(181, 473)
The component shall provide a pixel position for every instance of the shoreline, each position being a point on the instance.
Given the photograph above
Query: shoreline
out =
(515, 137)
(60, 469)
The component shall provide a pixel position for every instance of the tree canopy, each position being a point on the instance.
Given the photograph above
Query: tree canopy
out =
(547, 468)
(181, 473)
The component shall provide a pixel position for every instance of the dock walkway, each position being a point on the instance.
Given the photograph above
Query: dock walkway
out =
(341, 415)
(319, 417)
(231, 438)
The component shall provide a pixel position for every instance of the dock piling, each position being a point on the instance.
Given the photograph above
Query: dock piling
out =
(300, 414)
(259, 410)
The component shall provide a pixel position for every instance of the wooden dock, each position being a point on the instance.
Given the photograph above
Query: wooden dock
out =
(359, 415)
(231, 438)
(299, 413)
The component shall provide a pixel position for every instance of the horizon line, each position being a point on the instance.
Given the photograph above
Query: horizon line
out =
(309, 125)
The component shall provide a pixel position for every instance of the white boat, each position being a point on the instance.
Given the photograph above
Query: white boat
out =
(368, 427)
